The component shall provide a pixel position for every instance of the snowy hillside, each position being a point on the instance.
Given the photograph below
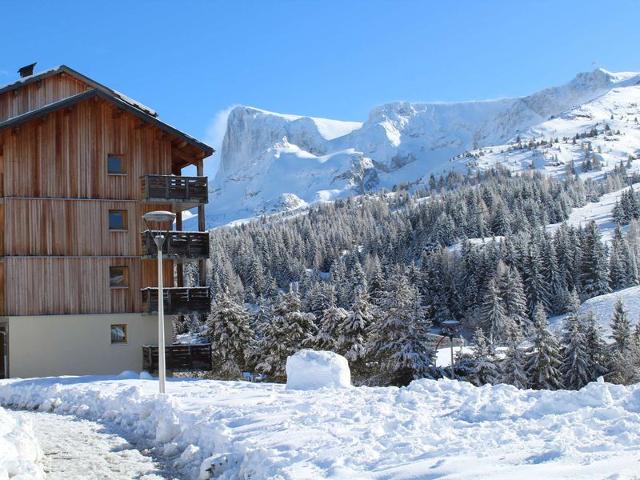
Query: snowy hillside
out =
(268, 159)
(430, 429)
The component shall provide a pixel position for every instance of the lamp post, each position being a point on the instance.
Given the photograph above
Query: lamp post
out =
(160, 216)
(450, 328)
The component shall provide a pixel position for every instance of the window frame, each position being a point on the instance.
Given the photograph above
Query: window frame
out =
(125, 276)
(125, 220)
(125, 330)
(121, 173)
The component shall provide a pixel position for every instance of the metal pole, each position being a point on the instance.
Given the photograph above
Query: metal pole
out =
(162, 370)
(453, 375)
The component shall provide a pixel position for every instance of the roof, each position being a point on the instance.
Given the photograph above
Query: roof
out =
(74, 99)
(97, 89)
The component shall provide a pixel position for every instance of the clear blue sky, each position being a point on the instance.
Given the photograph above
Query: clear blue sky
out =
(192, 59)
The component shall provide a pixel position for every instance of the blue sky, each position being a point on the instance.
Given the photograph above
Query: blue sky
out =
(191, 60)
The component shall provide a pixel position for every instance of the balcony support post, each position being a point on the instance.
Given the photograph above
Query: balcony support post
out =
(202, 264)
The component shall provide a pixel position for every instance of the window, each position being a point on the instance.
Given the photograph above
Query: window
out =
(118, 277)
(115, 164)
(117, 219)
(119, 333)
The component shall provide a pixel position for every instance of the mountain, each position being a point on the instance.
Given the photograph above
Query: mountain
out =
(273, 162)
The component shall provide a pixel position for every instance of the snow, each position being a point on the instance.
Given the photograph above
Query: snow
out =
(311, 369)
(602, 307)
(430, 429)
(265, 155)
(20, 453)
(77, 448)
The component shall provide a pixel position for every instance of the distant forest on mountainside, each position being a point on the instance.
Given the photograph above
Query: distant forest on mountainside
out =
(373, 276)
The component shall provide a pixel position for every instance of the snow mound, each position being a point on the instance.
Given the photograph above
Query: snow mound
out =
(311, 369)
(19, 449)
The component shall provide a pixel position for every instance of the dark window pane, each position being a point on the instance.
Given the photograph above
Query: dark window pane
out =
(117, 220)
(118, 276)
(119, 333)
(115, 164)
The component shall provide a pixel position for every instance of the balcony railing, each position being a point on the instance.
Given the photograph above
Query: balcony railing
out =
(178, 357)
(173, 188)
(178, 300)
(177, 245)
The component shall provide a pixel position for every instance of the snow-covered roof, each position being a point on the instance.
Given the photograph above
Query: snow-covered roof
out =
(89, 81)
(97, 89)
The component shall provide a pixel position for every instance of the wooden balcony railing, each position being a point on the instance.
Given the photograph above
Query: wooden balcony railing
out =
(173, 188)
(178, 300)
(178, 357)
(177, 245)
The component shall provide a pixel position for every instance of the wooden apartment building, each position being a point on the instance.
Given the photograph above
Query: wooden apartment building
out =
(79, 165)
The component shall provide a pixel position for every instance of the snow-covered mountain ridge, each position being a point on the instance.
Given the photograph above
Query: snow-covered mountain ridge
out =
(273, 162)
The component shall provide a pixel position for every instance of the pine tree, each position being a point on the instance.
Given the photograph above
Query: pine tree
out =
(329, 328)
(289, 331)
(485, 369)
(400, 340)
(595, 274)
(621, 361)
(596, 347)
(514, 299)
(228, 330)
(493, 317)
(545, 360)
(354, 332)
(575, 353)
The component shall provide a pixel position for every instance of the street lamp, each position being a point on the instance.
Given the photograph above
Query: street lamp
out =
(160, 216)
(451, 328)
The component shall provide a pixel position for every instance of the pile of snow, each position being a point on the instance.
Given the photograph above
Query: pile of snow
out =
(430, 429)
(311, 369)
(20, 453)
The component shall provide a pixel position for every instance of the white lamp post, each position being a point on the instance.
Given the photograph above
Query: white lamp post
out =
(160, 217)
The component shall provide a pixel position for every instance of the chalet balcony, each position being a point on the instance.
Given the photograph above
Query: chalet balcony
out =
(178, 300)
(177, 245)
(189, 191)
(178, 357)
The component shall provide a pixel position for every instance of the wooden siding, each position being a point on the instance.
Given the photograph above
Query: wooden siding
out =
(65, 154)
(71, 227)
(55, 244)
(38, 94)
(71, 285)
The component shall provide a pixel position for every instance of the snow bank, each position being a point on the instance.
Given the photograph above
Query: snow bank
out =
(19, 449)
(310, 369)
(430, 429)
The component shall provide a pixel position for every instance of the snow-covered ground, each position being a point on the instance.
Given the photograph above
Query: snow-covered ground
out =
(601, 212)
(602, 307)
(430, 429)
(20, 453)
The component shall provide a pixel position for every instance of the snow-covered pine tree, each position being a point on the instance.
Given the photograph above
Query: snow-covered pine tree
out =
(289, 331)
(485, 369)
(493, 317)
(514, 299)
(329, 328)
(596, 347)
(400, 340)
(622, 368)
(354, 333)
(543, 366)
(513, 368)
(595, 271)
(575, 353)
(228, 330)
(536, 286)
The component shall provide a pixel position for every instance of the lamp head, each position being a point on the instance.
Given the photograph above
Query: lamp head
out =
(159, 216)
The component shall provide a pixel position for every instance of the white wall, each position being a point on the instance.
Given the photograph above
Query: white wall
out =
(48, 345)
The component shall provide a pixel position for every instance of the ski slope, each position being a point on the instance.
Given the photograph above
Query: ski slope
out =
(430, 429)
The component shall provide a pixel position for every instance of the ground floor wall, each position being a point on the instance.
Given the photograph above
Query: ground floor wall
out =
(48, 345)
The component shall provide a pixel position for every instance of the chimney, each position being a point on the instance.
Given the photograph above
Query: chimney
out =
(27, 70)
